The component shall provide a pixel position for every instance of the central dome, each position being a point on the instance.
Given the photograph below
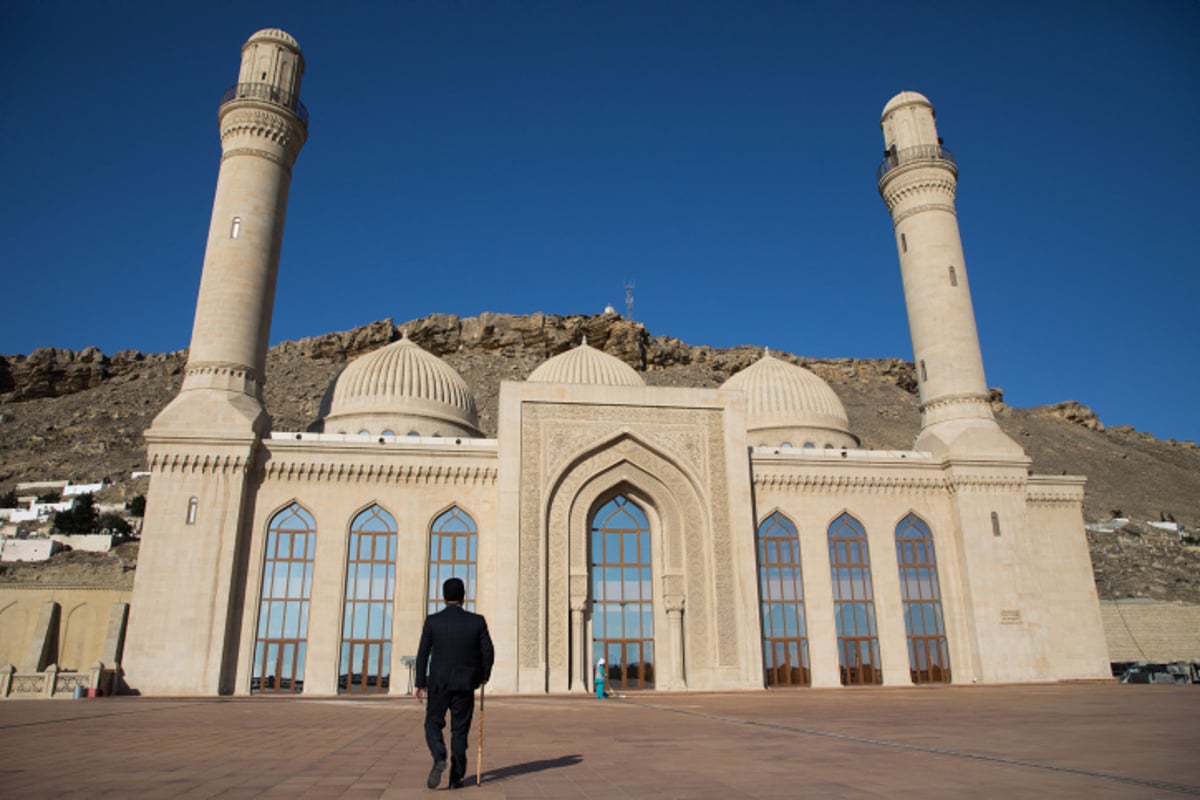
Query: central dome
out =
(786, 405)
(586, 364)
(401, 390)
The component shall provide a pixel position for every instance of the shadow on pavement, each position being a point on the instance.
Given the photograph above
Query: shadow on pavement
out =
(530, 767)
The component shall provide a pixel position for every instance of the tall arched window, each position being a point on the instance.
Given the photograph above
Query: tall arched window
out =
(781, 589)
(622, 599)
(453, 541)
(366, 653)
(853, 602)
(282, 639)
(928, 655)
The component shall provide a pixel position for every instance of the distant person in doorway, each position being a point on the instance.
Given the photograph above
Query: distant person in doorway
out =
(454, 658)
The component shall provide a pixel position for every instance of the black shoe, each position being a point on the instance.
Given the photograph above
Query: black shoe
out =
(435, 774)
(456, 784)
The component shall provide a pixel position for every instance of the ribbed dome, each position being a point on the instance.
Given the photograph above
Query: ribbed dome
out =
(787, 404)
(402, 389)
(905, 99)
(274, 35)
(586, 364)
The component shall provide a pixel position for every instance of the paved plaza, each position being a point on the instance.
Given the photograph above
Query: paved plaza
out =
(1094, 741)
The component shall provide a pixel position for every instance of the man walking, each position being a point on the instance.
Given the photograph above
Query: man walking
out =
(457, 649)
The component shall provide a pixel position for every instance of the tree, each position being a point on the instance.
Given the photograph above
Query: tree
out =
(9, 499)
(137, 506)
(114, 522)
(80, 518)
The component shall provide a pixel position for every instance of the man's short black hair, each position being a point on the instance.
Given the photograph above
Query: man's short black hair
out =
(454, 590)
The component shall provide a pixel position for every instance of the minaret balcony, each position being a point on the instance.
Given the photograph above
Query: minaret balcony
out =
(931, 153)
(270, 93)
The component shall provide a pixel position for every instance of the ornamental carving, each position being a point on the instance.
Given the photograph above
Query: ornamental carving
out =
(204, 464)
(425, 474)
(1051, 498)
(972, 398)
(947, 207)
(260, 123)
(832, 484)
(901, 191)
(985, 483)
(223, 369)
(233, 152)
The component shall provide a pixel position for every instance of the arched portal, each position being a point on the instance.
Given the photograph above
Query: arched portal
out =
(622, 594)
(682, 566)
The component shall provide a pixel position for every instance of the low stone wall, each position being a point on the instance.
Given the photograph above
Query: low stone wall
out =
(28, 549)
(89, 542)
(70, 627)
(1151, 630)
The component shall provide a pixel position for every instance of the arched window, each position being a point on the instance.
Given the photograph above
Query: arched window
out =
(282, 640)
(781, 592)
(193, 505)
(366, 653)
(622, 598)
(853, 602)
(928, 655)
(453, 541)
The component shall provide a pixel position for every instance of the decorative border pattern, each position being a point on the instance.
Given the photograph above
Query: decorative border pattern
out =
(390, 473)
(185, 462)
(903, 215)
(832, 484)
(902, 190)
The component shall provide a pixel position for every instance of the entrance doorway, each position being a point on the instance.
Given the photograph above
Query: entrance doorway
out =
(622, 599)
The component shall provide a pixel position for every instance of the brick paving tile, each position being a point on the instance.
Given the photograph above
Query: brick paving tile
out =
(1095, 741)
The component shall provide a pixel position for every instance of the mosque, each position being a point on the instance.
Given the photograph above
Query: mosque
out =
(697, 539)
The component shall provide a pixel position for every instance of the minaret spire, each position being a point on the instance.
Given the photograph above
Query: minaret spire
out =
(263, 125)
(917, 181)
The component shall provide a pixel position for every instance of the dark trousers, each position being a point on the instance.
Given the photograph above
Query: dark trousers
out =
(462, 709)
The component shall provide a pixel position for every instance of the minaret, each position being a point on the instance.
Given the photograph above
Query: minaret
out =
(263, 125)
(917, 180)
(189, 595)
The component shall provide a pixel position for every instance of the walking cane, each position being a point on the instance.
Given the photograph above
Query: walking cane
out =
(479, 750)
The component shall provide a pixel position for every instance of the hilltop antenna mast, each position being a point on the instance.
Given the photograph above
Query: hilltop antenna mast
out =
(629, 300)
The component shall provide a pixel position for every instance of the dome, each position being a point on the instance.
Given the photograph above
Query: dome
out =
(905, 99)
(788, 405)
(401, 389)
(586, 364)
(274, 35)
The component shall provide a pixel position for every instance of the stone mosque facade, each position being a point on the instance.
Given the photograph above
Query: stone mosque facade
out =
(697, 539)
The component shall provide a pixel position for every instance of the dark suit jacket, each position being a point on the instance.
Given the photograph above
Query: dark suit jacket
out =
(461, 651)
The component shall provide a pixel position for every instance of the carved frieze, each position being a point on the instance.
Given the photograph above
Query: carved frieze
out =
(428, 474)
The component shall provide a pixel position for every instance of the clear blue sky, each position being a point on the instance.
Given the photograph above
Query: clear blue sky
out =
(474, 155)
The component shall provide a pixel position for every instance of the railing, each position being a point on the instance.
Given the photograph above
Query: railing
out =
(270, 93)
(922, 152)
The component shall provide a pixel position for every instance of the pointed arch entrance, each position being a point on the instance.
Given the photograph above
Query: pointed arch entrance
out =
(622, 594)
(674, 526)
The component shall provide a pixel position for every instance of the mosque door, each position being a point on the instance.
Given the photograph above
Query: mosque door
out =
(622, 602)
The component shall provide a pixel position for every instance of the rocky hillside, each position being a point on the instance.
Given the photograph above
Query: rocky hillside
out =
(67, 414)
